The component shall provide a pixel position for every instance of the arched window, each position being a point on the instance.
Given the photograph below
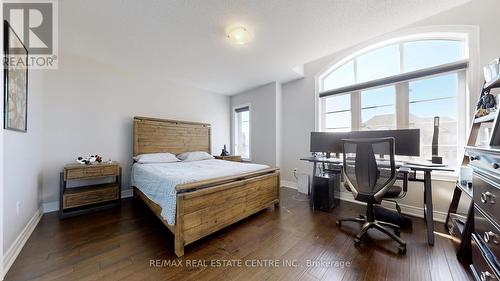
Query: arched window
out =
(402, 84)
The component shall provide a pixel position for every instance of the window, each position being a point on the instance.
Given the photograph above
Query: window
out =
(369, 64)
(426, 53)
(338, 113)
(378, 109)
(242, 132)
(431, 97)
(401, 85)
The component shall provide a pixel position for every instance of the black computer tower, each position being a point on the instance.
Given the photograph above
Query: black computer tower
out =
(324, 187)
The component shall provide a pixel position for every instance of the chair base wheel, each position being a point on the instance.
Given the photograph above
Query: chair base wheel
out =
(338, 223)
(357, 242)
(402, 250)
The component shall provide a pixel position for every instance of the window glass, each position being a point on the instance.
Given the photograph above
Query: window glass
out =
(342, 76)
(338, 121)
(242, 132)
(377, 64)
(377, 108)
(338, 113)
(428, 53)
(433, 97)
(338, 103)
(438, 87)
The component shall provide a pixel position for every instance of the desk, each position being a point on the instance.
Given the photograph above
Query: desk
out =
(426, 169)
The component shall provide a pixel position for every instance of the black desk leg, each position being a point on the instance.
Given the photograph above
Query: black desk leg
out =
(429, 220)
(311, 199)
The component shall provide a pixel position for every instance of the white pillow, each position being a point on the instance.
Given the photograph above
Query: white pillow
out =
(156, 158)
(194, 156)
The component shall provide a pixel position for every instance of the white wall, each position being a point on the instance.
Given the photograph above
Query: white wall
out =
(299, 96)
(90, 106)
(22, 169)
(263, 122)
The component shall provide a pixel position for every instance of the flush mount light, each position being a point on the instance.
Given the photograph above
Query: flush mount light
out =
(239, 35)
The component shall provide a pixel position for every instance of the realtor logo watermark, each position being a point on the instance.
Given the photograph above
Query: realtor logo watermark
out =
(35, 25)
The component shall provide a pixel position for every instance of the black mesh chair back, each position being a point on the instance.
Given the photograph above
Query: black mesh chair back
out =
(368, 178)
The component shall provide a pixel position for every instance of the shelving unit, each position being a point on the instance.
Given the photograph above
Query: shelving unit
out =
(487, 118)
(492, 84)
(458, 225)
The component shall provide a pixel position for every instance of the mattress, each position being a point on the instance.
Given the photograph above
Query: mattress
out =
(158, 181)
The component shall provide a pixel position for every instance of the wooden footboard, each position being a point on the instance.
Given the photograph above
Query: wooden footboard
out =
(208, 206)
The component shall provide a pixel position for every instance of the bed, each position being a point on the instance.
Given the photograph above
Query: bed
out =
(216, 194)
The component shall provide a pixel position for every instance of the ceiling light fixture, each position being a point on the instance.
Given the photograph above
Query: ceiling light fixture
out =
(239, 35)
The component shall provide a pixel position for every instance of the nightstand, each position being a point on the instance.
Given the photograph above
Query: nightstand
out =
(91, 197)
(234, 158)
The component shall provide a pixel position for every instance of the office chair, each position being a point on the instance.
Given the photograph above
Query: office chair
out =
(372, 181)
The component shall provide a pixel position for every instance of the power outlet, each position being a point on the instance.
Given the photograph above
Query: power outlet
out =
(18, 207)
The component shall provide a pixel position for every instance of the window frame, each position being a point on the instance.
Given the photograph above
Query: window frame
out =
(468, 36)
(233, 137)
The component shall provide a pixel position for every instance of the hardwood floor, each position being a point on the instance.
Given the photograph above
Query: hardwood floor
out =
(121, 244)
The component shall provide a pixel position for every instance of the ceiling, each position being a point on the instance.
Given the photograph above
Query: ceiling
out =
(183, 40)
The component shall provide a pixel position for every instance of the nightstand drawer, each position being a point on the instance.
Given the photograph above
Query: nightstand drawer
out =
(75, 197)
(91, 171)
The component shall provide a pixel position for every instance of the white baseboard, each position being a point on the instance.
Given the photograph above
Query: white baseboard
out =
(50, 207)
(290, 184)
(405, 209)
(126, 193)
(54, 205)
(16, 247)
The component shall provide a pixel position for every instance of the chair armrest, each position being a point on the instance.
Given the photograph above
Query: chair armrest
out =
(405, 171)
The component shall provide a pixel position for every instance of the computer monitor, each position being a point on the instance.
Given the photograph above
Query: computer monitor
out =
(407, 141)
(327, 142)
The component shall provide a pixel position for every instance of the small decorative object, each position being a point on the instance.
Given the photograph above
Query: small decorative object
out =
(224, 152)
(465, 175)
(435, 143)
(487, 103)
(89, 160)
(15, 82)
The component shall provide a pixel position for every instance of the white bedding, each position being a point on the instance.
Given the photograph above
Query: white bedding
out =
(158, 181)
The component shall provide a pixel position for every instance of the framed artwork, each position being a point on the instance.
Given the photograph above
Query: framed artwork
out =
(15, 81)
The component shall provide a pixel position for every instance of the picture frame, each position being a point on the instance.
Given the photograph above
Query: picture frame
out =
(15, 81)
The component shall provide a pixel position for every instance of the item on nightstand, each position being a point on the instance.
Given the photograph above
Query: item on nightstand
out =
(224, 152)
(89, 160)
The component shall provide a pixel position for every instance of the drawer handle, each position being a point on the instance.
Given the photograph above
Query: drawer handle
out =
(490, 236)
(487, 196)
(472, 158)
(486, 276)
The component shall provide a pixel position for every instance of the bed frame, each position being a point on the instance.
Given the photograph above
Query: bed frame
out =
(207, 206)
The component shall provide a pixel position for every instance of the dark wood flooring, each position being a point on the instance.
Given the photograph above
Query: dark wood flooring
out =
(119, 244)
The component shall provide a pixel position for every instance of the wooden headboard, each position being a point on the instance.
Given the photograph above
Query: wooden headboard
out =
(153, 135)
